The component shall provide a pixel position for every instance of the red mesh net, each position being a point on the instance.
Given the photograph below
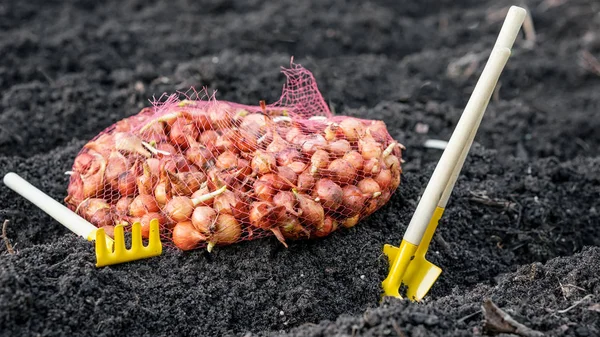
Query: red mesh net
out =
(216, 173)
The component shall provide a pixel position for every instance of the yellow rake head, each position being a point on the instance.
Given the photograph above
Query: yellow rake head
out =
(106, 256)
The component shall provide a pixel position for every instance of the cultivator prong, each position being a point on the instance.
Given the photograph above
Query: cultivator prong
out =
(105, 256)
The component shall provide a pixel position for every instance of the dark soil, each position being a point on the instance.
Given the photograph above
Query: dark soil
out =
(522, 227)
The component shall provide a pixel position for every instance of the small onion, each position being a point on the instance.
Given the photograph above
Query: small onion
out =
(287, 176)
(339, 147)
(306, 181)
(264, 214)
(372, 167)
(228, 203)
(263, 190)
(160, 193)
(227, 160)
(370, 149)
(319, 160)
(204, 219)
(244, 141)
(293, 134)
(312, 212)
(263, 162)
(186, 237)
(166, 147)
(353, 200)
(350, 222)
(291, 228)
(145, 222)
(341, 171)
(297, 166)
(369, 186)
(278, 144)
(126, 183)
(313, 143)
(209, 139)
(199, 155)
(384, 179)
(227, 231)
(143, 204)
(329, 225)
(378, 131)
(180, 130)
(329, 194)
(392, 162)
(116, 164)
(355, 159)
(352, 128)
(122, 206)
(285, 199)
(179, 208)
(288, 156)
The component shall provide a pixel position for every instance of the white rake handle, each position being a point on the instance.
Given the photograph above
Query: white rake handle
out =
(447, 169)
(56, 210)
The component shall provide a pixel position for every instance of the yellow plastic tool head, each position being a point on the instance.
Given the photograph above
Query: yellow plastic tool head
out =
(106, 256)
(408, 265)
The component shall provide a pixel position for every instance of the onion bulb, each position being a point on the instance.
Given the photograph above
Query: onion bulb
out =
(179, 208)
(312, 212)
(352, 128)
(319, 160)
(353, 200)
(384, 179)
(306, 181)
(328, 193)
(227, 231)
(263, 190)
(186, 237)
(116, 164)
(143, 204)
(227, 160)
(122, 206)
(126, 183)
(263, 162)
(369, 186)
(203, 218)
(339, 147)
(329, 225)
(369, 148)
(341, 171)
(355, 159)
(350, 222)
(265, 215)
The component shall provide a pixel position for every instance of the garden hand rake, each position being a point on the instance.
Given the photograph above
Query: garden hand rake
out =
(78, 225)
(407, 263)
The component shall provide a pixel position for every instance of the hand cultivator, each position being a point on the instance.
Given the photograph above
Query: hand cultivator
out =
(78, 225)
(408, 265)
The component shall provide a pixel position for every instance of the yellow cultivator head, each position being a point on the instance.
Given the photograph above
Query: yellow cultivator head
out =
(106, 256)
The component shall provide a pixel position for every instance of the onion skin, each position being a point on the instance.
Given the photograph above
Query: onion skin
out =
(96, 211)
(312, 211)
(263, 190)
(186, 237)
(369, 186)
(143, 204)
(291, 228)
(145, 222)
(274, 180)
(384, 179)
(372, 167)
(244, 141)
(228, 203)
(339, 147)
(352, 128)
(122, 206)
(306, 182)
(179, 208)
(127, 185)
(161, 194)
(265, 215)
(198, 155)
(329, 194)
(227, 231)
(278, 144)
(353, 200)
(263, 162)
(203, 219)
(287, 177)
(342, 172)
(355, 159)
(312, 143)
(208, 139)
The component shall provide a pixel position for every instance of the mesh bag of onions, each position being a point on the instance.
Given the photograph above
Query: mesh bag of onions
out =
(216, 173)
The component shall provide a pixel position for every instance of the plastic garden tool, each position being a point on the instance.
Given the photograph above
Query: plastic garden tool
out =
(408, 265)
(78, 225)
